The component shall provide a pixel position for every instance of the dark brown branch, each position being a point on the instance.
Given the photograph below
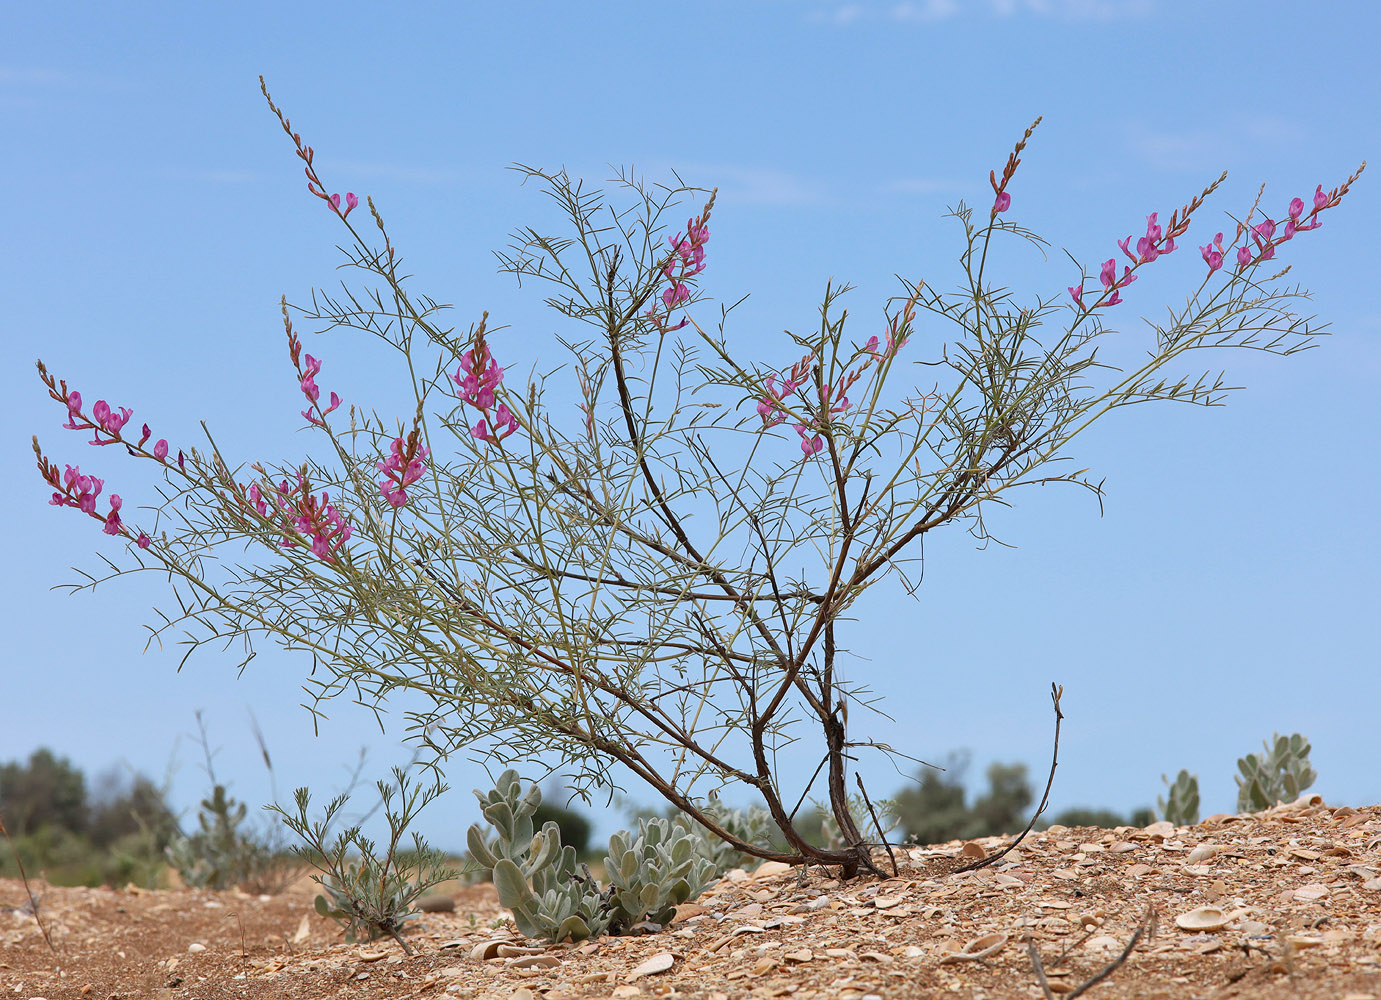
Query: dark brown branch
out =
(882, 834)
(658, 719)
(1055, 694)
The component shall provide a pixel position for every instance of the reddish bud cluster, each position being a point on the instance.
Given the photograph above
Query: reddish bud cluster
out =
(1003, 200)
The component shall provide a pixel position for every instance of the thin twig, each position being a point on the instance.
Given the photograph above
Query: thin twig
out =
(1040, 971)
(1056, 692)
(877, 825)
(33, 902)
(1147, 927)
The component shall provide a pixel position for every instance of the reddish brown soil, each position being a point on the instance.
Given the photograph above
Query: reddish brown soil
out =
(1299, 888)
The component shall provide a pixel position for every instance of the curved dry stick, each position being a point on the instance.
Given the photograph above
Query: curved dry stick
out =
(1055, 694)
(33, 903)
(1146, 927)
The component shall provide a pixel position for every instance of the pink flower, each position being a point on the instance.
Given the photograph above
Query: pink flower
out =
(108, 420)
(112, 521)
(1244, 256)
(1320, 199)
(1002, 203)
(1297, 207)
(480, 431)
(1077, 294)
(350, 202)
(1262, 233)
(1108, 276)
(144, 540)
(160, 450)
(810, 445)
(309, 386)
(675, 295)
(74, 407)
(1213, 253)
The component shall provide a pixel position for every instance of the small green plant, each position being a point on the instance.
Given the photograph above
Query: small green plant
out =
(1182, 805)
(668, 862)
(651, 874)
(222, 854)
(536, 877)
(1279, 775)
(227, 852)
(370, 892)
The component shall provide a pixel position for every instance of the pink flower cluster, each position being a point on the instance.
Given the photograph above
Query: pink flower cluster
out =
(108, 420)
(313, 394)
(832, 402)
(308, 516)
(478, 379)
(770, 405)
(1263, 234)
(405, 465)
(833, 399)
(77, 490)
(314, 184)
(686, 261)
(314, 414)
(1156, 243)
(896, 327)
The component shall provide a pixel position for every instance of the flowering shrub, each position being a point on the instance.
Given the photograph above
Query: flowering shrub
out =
(661, 586)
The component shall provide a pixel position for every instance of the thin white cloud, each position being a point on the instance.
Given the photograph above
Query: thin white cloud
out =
(211, 175)
(1205, 149)
(395, 172)
(920, 185)
(745, 185)
(930, 11)
(35, 77)
(924, 10)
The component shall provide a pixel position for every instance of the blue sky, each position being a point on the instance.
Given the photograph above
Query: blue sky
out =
(156, 214)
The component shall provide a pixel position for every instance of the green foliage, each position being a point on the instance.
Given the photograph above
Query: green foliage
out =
(1081, 816)
(1182, 805)
(370, 892)
(670, 861)
(1278, 775)
(130, 806)
(47, 791)
(117, 840)
(936, 812)
(651, 874)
